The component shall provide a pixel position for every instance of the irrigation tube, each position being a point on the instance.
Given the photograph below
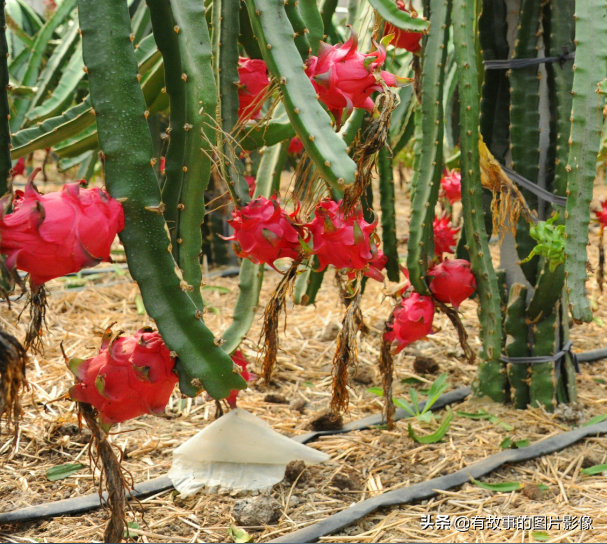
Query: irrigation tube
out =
(425, 490)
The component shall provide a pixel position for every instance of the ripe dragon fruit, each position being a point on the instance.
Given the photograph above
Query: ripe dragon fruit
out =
(344, 78)
(239, 359)
(61, 232)
(263, 232)
(601, 215)
(453, 281)
(131, 376)
(253, 75)
(251, 183)
(412, 321)
(343, 242)
(295, 146)
(380, 260)
(410, 41)
(451, 184)
(444, 236)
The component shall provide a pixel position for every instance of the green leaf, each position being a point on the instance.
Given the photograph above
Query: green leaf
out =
(118, 271)
(598, 380)
(130, 525)
(481, 414)
(595, 420)
(437, 435)
(220, 289)
(496, 421)
(213, 310)
(401, 403)
(543, 487)
(415, 401)
(60, 472)
(521, 443)
(504, 487)
(411, 381)
(425, 417)
(376, 391)
(239, 535)
(139, 304)
(540, 536)
(506, 443)
(436, 390)
(596, 469)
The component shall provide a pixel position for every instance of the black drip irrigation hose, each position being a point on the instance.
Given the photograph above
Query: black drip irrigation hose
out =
(425, 490)
(86, 503)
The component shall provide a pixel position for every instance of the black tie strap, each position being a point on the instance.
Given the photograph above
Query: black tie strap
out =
(557, 358)
(538, 191)
(513, 64)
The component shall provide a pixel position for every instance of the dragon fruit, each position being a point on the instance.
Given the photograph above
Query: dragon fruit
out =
(251, 183)
(345, 78)
(410, 41)
(19, 168)
(263, 232)
(61, 232)
(453, 281)
(253, 76)
(444, 236)
(412, 321)
(601, 215)
(295, 146)
(343, 242)
(239, 359)
(131, 376)
(451, 184)
(380, 260)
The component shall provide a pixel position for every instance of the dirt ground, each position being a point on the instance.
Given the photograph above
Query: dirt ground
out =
(363, 464)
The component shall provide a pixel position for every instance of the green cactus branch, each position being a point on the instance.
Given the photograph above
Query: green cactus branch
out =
(517, 345)
(181, 33)
(388, 214)
(127, 148)
(314, 23)
(429, 167)
(266, 135)
(311, 122)
(584, 144)
(491, 381)
(543, 385)
(389, 11)
(299, 28)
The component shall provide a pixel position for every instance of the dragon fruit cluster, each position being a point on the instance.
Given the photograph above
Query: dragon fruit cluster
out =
(452, 282)
(264, 232)
(131, 376)
(61, 232)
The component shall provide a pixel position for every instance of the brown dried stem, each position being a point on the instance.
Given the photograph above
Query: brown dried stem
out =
(386, 369)
(13, 359)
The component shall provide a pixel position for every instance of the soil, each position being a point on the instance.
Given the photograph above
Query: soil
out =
(363, 464)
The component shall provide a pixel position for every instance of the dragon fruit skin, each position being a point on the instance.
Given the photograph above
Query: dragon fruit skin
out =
(253, 82)
(252, 184)
(409, 41)
(295, 146)
(263, 232)
(343, 81)
(19, 168)
(343, 242)
(412, 321)
(601, 215)
(451, 184)
(444, 236)
(61, 232)
(453, 281)
(239, 359)
(131, 376)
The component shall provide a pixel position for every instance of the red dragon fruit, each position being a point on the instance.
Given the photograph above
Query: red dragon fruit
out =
(131, 376)
(601, 214)
(253, 75)
(239, 359)
(453, 281)
(263, 232)
(61, 232)
(451, 184)
(295, 146)
(251, 183)
(343, 242)
(163, 162)
(345, 78)
(444, 236)
(410, 41)
(412, 321)
(19, 168)
(380, 260)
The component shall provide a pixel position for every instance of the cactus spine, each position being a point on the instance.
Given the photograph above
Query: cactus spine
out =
(491, 381)
(126, 144)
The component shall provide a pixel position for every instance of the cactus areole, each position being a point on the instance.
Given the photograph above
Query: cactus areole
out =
(131, 376)
(62, 232)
